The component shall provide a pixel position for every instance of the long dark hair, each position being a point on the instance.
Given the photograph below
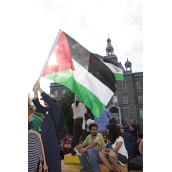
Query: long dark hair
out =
(114, 132)
(76, 103)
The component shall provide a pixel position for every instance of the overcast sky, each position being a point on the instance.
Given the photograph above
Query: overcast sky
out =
(89, 23)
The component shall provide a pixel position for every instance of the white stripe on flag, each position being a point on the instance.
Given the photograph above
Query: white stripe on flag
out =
(113, 68)
(101, 91)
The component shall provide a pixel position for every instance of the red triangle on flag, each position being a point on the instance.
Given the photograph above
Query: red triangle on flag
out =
(60, 59)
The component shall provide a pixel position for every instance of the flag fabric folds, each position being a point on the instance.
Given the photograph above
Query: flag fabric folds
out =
(116, 71)
(73, 66)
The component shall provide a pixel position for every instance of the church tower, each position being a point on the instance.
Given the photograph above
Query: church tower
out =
(110, 56)
(128, 65)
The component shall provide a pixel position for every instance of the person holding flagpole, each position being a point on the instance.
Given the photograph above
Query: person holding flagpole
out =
(48, 134)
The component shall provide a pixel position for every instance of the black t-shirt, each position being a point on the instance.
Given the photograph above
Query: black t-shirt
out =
(134, 133)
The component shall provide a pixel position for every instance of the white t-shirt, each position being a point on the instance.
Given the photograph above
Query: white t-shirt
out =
(79, 111)
(89, 121)
(122, 149)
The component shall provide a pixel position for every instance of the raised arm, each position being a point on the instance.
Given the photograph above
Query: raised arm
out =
(46, 98)
(36, 102)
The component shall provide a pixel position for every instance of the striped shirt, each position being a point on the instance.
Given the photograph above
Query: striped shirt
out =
(34, 151)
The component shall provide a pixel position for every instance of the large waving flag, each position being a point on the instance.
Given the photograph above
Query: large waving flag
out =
(71, 65)
(116, 71)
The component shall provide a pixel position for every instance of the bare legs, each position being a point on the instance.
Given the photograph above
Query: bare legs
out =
(103, 158)
(113, 161)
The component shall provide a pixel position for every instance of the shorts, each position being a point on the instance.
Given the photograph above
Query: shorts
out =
(120, 157)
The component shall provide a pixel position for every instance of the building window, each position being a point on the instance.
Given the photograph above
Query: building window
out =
(63, 92)
(124, 84)
(141, 114)
(140, 100)
(126, 113)
(125, 99)
(56, 93)
(138, 84)
(114, 99)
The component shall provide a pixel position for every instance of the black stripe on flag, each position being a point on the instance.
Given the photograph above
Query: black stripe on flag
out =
(91, 63)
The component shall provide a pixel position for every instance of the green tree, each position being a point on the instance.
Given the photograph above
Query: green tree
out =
(65, 104)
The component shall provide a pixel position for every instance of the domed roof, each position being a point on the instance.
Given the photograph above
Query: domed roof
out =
(108, 40)
(109, 46)
(127, 63)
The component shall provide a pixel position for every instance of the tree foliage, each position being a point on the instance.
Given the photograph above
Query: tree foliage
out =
(65, 104)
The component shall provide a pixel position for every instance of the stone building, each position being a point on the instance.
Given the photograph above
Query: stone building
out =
(127, 102)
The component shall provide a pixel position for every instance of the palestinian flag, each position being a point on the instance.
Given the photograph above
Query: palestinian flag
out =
(118, 72)
(71, 65)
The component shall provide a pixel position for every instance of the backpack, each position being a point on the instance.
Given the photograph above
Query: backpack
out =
(135, 164)
(61, 130)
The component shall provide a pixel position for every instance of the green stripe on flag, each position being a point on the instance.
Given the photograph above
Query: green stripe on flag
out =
(119, 76)
(86, 96)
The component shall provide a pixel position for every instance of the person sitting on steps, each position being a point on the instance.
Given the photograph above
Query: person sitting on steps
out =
(118, 149)
(94, 143)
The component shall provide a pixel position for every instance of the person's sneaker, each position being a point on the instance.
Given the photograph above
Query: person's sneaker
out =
(117, 170)
(84, 170)
(112, 171)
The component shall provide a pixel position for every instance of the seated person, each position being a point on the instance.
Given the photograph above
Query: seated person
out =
(66, 146)
(118, 148)
(94, 143)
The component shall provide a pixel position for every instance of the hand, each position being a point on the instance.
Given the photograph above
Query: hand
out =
(75, 149)
(35, 90)
(37, 84)
(83, 150)
(128, 124)
(105, 149)
(68, 146)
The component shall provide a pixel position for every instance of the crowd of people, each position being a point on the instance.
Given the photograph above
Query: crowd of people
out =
(98, 135)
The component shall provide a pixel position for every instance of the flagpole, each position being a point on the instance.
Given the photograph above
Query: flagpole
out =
(52, 48)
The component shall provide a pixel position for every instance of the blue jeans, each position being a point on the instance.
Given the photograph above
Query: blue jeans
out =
(93, 155)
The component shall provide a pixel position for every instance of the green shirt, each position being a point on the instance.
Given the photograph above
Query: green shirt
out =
(98, 138)
(36, 123)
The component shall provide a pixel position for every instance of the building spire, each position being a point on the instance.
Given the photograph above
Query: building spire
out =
(109, 47)
(128, 64)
